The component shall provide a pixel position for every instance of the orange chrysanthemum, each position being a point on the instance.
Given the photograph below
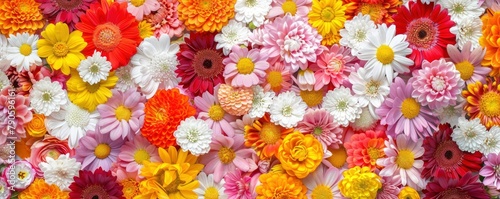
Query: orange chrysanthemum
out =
(40, 189)
(17, 16)
(365, 148)
(130, 188)
(300, 154)
(483, 101)
(280, 185)
(235, 101)
(163, 113)
(489, 40)
(205, 15)
(380, 11)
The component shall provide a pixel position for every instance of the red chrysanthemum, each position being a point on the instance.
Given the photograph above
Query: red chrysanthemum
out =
(111, 30)
(365, 148)
(200, 63)
(467, 187)
(98, 184)
(163, 113)
(427, 27)
(443, 158)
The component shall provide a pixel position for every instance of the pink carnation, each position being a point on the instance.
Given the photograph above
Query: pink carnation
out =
(165, 20)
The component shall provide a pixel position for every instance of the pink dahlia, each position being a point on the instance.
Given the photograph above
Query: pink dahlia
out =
(468, 63)
(141, 8)
(334, 66)
(466, 187)
(165, 20)
(299, 8)
(364, 149)
(391, 186)
(97, 150)
(437, 84)
(14, 113)
(240, 185)
(66, 11)
(245, 68)
(135, 151)
(320, 124)
(491, 170)
(123, 114)
(212, 112)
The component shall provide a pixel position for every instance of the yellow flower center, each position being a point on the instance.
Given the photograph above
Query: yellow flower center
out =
(123, 113)
(137, 3)
(458, 8)
(489, 104)
(60, 49)
(275, 79)
(54, 154)
(312, 98)
(211, 193)
(102, 151)
(130, 188)
(106, 37)
(372, 87)
(46, 96)
(289, 6)
(22, 174)
(270, 133)
(206, 4)
(374, 10)
(374, 153)
(245, 66)
(385, 54)
(226, 155)
(321, 192)
(299, 153)
(408, 193)
(173, 187)
(410, 108)
(25, 49)
(405, 159)
(216, 113)
(338, 158)
(327, 14)
(92, 88)
(141, 155)
(466, 69)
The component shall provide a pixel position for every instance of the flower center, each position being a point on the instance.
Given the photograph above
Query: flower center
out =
(76, 116)
(92, 88)
(360, 35)
(141, 155)
(438, 83)
(68, 4)
(317, 130)
(327, 14)
(405, 159)
(342, 105)
(211, 193)
(312, 98)
(123, 113)
(322, 192)
(60, 49)
(25, 49)
(376, 11)
(497, 170)
(94, 68)
(173, 186)
(46, 96)
(106, 37)
(193, 135)
(335, 66)
(339, 157)
(458, 8)
(385, 54)
(206, 4)
(94, 191)
(245, 66)
(163, 67)
(137, 3)
(448, 155)
(287, 111)
(466, 69)
(422, 33)
(275, 79)
(22, 174)
(372, 88)
(289, 6)
(207, 63)
(270, 133)
(226, 155)
(410, 108)
(374, 153)
(489, 104)
(292, 44)
(299, 152)
(250, 3)
(102, 151)
(216, 113)
(453, 194)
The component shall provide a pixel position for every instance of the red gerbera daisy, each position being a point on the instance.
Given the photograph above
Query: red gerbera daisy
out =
(467, 187)
(200, 63)
(443, 158)
(66, 11)
(111, 30)
(98, 184)
(427, 27)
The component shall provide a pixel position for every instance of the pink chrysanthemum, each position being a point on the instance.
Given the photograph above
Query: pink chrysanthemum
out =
(278, 78)
(299, 8)
(468, 63)
(390, 188)
(320, 124)
(491, 171)
(141, 8)
(166, 20)
(123, 114)
(466, 187)
(135, 151)
(13, 115)
(437, 84)
(404, 114)
(68, 12)
(333, 66)
(364, 149)
(240, 185)
(97, 150)
(212, 112)
(245, 68)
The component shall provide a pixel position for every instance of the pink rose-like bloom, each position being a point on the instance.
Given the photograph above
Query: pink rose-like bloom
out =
(491, 170)
(334, 66)
(245, 68)
(320, 124)
(49, 146)
(68, 12)
(14, 112)
(302, 6)
(240, 185)
(166, 20)
(22, 171)
(146, 8)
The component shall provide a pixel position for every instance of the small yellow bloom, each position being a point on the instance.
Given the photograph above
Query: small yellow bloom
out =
(300, 154)
(280, 185)
(145, 29)
(88, 96)
(36, 127)
(360, 182)
(408, 193)
(328, 16)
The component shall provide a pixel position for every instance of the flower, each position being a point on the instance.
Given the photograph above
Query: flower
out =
(300, 154)
(468, 63)
(89, 96)
(20, 174)
(41, 189)
(111, 30)
(154, 65)
(194, 135)
(125, 80)
(97, 150)
(278, 78)
(379, 11)
(265, 137)
(6, 193)
(261, 102)
(299, 8)
(145, 29)
(130, 188)
(460, 10)
(249, 11)
(68, 12)
(239, 185)
(60, 171)
(141, 8)
(20, 16)
(355, 32)
(359, 182)
(490, 171)
(327, 16)
(135, 151)
(275, 184)
(163, 113)
(390, 188)
(370, 91)
(212, 112)
(320, 124)
(211, 16)
(409, 193)
(342, 105)
(94, 69)
(208, 188)
(49, 146)
(165, 20)
(482, 101)
(22, 51)
(364, 149)
(36, 127)
(4, 62)
(18, 113)
(466, 187)
(469, 134)
(47, 97)
(289, 109)
(450, 114)
(491, 142)
(233, 34)
(323, 183)
(245, 68)
(235, 101)
(468, 30)
(62, 52)
(4, 81)
(95, 184)
(333, 66)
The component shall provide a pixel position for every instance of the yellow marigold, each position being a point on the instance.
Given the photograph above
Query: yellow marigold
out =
(360, 182)
(489, 40)
(380, 11)
(280, 185)
(130, 188)
(205, 15)
(235, 101)
(145, 29)
(17, 16)
(88, 96)
(408, 193)
(39, 189)
(328, 16)
(36, 127)
(300, 154)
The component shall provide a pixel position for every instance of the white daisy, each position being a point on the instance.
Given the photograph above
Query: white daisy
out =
(61, 171)
(94, 69)
(4, 80)
(253, 11)
(194, 135)
(461, 9)
(491, 143)
(386, 53)
(71, 122)
(469, 29)
(154, 65)
(261, 102)
(208, 188)
(450, 114)
(469, 134)
(47, 96)
(125, 80)
(4, 62)
(23, 51)
(342, 105)
(355, 31)
(371, 91)
(234, 33)
(287, 109)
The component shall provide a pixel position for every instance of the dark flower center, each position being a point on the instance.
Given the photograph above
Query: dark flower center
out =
(422, 34)
(68, 4)
(207, 63)
(95, 197)
(448, 154)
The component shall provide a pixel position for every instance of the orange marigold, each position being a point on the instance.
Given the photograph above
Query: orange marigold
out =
(380, 11)
(235, 101)
(300, 154)
(163, 113)
(483, 101)
(265, 137)
(17, 16)
(40, 189)
(489, 40)
(280, 185)
(205, 15)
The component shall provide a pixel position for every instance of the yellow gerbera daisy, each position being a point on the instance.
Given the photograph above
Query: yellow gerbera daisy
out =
(88, 96)
(62, 49)
(40, 189)
(145, 29)
(328, 16)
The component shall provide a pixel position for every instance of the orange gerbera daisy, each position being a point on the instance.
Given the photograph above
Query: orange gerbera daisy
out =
(483, 101)
(265, 137)
(111, 30)
(205, 15)
(17, 16)
(380, 11)
(489, 40)
(163, 113)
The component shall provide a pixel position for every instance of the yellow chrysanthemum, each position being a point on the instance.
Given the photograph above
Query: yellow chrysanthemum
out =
(328, 16)
(280, 185)
(39, 189)
(61, 48)
(205, 15)
(175, 177)
(145, 29)
(360, 182)
(408, 193)
(18, 16)
(88, 96)
(300, 154)
(130, 188)
(36, 127)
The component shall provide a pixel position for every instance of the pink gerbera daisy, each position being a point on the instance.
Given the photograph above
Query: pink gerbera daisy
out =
(97, 150)
(299, 8)
(212, 112)
(466, 187)
(278, 78)
(468, 62)
(333, 66)
(491, 171)
(141, 8)
(135, 151)
(320, 124)
(166, 20)
(240, 185)
(66, 11)
(245, 68)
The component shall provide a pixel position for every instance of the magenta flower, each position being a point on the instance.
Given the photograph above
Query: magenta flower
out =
(68, 12)
(97, 150)
(245, 68)
(320, 124)
(240, 185)
(491, 170)
(468, 62)
(466, 187)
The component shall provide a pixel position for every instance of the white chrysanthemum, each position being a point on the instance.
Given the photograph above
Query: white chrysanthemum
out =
(234, 33)
(261, 102)
(194, 135)
(386, 52)
(4, 80)
(254, 11)
(22, 51)
(125, 80)
(4, 62)
(469, 134)
(450, 114)
(94, 69)
(208, 189)
(61, 171)
(72, 123)
(491, 143)
(154, 65)
(461, 9)
(371, 91)
(47, 96)
(287, 109)
(469, 29)
(355, 32)
(342, 105)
